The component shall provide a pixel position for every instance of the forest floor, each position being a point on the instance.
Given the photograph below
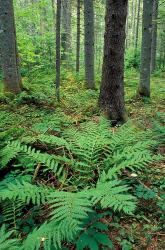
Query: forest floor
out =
(38, 108)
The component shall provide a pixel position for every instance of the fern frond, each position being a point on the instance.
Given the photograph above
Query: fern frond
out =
(54, 140)
(113, 195)
(8, 153)
(50, 161)
(24, 191)
(69, 209)
(12, 211)
(6, 243)
(49, 236)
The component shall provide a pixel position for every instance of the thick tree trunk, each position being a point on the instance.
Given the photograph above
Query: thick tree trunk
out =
(111, 98)
(78, 36)
(154, 36)
(58, 48)
(89, 43)
(8, 47)
(144, 85)
(66, 30)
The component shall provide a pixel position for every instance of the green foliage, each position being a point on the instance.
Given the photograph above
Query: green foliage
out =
(132, 59)
(59, 171)
(12, 211)
(68, 210)
(159, 127)
(6, 242)
(145, 193)
(26, 192)
(94, 234)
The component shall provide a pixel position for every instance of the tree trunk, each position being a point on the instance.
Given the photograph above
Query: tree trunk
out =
(66, 31)
(111, 98)
(8, 46)
(58, 48)
(78, 36)
(54, 16)
(43, 19)
(154, 35)
(144, 85)
(137, 27)
(127, 29)
(132, 22)
(89, 43)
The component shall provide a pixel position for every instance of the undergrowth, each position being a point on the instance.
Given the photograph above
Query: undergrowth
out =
(71, 181)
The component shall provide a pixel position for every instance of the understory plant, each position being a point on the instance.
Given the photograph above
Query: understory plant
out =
(60, 184)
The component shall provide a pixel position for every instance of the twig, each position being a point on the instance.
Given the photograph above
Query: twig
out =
(36, 171)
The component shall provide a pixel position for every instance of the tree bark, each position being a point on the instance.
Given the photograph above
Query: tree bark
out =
(89, 43)
(137, 27)
(154, 36)
(111, 99)
(144, 85)
(58, 48)
(8, 47)
(134, 21)
(66, 31)
(78, 36)
(54, 16)
(127, 29)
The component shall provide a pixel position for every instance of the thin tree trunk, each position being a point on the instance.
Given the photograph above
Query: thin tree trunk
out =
(54, 21)
(154, 36)
(54, 15)
(144, 85)
(127, 29)
(78, 36)
(18, 62)
(89, 43)
(134, 21)
(8, 47)
(111, 98)
(137, 26)
(58, 49)
(66, 31)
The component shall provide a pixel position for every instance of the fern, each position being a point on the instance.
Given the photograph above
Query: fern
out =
(88, 150)
(51, 161)
(113, 195)
(69, 209)
(47, 236)
(81, 156)
(95, 233)
(12, 211)
(6, 243)
(25, 192)
(7, 154)
(54, 141)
